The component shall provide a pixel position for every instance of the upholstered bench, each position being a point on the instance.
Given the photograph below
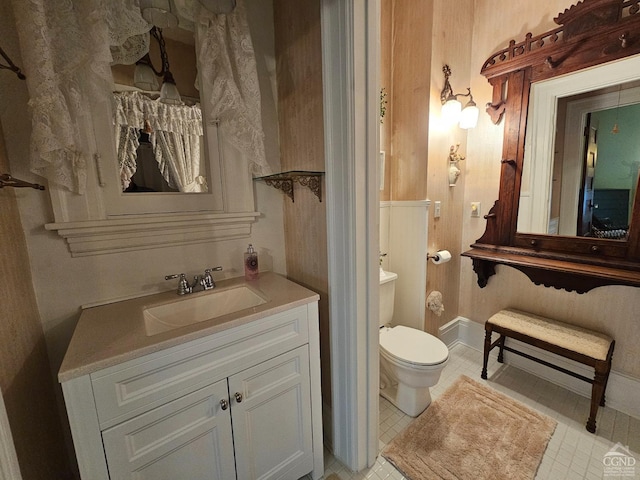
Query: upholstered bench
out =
(578, 344)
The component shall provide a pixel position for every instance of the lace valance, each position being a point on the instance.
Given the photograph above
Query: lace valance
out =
(132, 109)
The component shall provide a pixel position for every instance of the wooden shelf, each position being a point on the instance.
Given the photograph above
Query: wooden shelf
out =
(284, 181)
(553, 270)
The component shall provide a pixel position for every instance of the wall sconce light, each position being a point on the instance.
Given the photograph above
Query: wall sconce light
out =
(144, 76)
(452, 111)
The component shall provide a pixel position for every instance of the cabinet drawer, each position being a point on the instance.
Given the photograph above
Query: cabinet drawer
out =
(138, 385)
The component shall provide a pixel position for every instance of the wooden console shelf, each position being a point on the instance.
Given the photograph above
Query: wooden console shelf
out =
(552, 271)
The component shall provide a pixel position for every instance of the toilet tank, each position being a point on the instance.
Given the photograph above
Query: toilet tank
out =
(387, 295)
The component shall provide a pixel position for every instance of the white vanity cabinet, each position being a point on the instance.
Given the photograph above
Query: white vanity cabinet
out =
(242, 403)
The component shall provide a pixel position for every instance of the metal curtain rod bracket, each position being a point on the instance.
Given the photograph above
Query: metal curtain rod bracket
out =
(7, 180)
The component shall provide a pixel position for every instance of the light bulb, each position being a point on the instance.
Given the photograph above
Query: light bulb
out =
(451, 111)
(469, 116)
(144, 78)
(169, 92)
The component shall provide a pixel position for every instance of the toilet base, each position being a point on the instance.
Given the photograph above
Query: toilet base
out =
(412, 401)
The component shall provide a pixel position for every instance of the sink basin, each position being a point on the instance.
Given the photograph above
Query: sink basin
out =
(199, 308)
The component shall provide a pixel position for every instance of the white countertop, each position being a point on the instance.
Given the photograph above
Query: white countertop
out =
(110, 334)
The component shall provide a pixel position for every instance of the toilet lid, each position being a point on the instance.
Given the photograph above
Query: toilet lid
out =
(413, 346)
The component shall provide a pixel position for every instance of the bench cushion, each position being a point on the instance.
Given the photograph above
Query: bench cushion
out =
(587, 342)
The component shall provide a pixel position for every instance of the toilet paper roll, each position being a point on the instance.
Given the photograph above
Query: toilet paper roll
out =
(441, 256)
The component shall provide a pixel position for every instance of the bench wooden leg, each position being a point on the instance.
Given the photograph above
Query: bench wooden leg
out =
(487, 348)
(604, 388)
(501, 354)
(608, 368)
(597, 395)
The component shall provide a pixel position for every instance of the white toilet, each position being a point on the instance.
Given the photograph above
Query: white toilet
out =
(411, 360)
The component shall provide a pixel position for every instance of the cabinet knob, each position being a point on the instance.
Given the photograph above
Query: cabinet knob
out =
(224, 404)
(238, 396)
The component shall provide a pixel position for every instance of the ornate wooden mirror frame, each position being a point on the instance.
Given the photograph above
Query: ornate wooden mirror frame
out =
(591, 33)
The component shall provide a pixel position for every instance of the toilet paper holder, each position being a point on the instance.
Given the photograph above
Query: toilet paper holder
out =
(441, 256)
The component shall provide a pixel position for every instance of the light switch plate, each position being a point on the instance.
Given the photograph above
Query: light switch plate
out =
(436, 208)
(475, 209)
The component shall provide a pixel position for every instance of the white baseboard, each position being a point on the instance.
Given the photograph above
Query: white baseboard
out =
(450, 333)
(622, 390)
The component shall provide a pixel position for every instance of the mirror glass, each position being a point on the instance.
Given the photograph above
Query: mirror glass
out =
(588, 184)
(159, 141)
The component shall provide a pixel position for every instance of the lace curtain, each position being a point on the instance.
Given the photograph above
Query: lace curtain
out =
(230, 78)
(67, 48)
(175, 136)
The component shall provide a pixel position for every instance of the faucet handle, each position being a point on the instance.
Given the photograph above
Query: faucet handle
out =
(183, 284)
(207, 280)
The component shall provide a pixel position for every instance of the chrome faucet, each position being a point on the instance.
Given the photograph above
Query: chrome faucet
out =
(205, 281)
(183, 284)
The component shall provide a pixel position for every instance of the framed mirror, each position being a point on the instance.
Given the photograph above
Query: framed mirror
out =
(560, 218)
(580, 166)
(160, 143)
(163, 152)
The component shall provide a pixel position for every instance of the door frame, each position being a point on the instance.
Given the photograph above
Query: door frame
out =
(350, 57)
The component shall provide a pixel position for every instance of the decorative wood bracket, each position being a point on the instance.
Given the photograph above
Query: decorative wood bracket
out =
(497, 107)
(284, 181)
(484, 270)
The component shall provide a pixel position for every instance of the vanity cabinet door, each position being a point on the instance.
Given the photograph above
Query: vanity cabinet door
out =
(271, 411)
(189, 438)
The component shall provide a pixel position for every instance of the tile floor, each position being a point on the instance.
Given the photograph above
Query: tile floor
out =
(572, 453)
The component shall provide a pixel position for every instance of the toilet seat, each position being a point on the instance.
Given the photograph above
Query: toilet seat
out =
(412, 347)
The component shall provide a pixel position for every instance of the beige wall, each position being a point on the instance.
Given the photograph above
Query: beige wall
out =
(25, 380)
(415, 44)
(409, 98)
(451, 48)
(300, 119)
(610, 309)
(386, 83)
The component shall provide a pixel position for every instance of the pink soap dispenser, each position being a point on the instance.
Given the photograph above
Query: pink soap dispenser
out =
(250, 264)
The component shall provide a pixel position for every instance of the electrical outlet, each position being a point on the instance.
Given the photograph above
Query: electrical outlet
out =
(475, 209)
(436, 208)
